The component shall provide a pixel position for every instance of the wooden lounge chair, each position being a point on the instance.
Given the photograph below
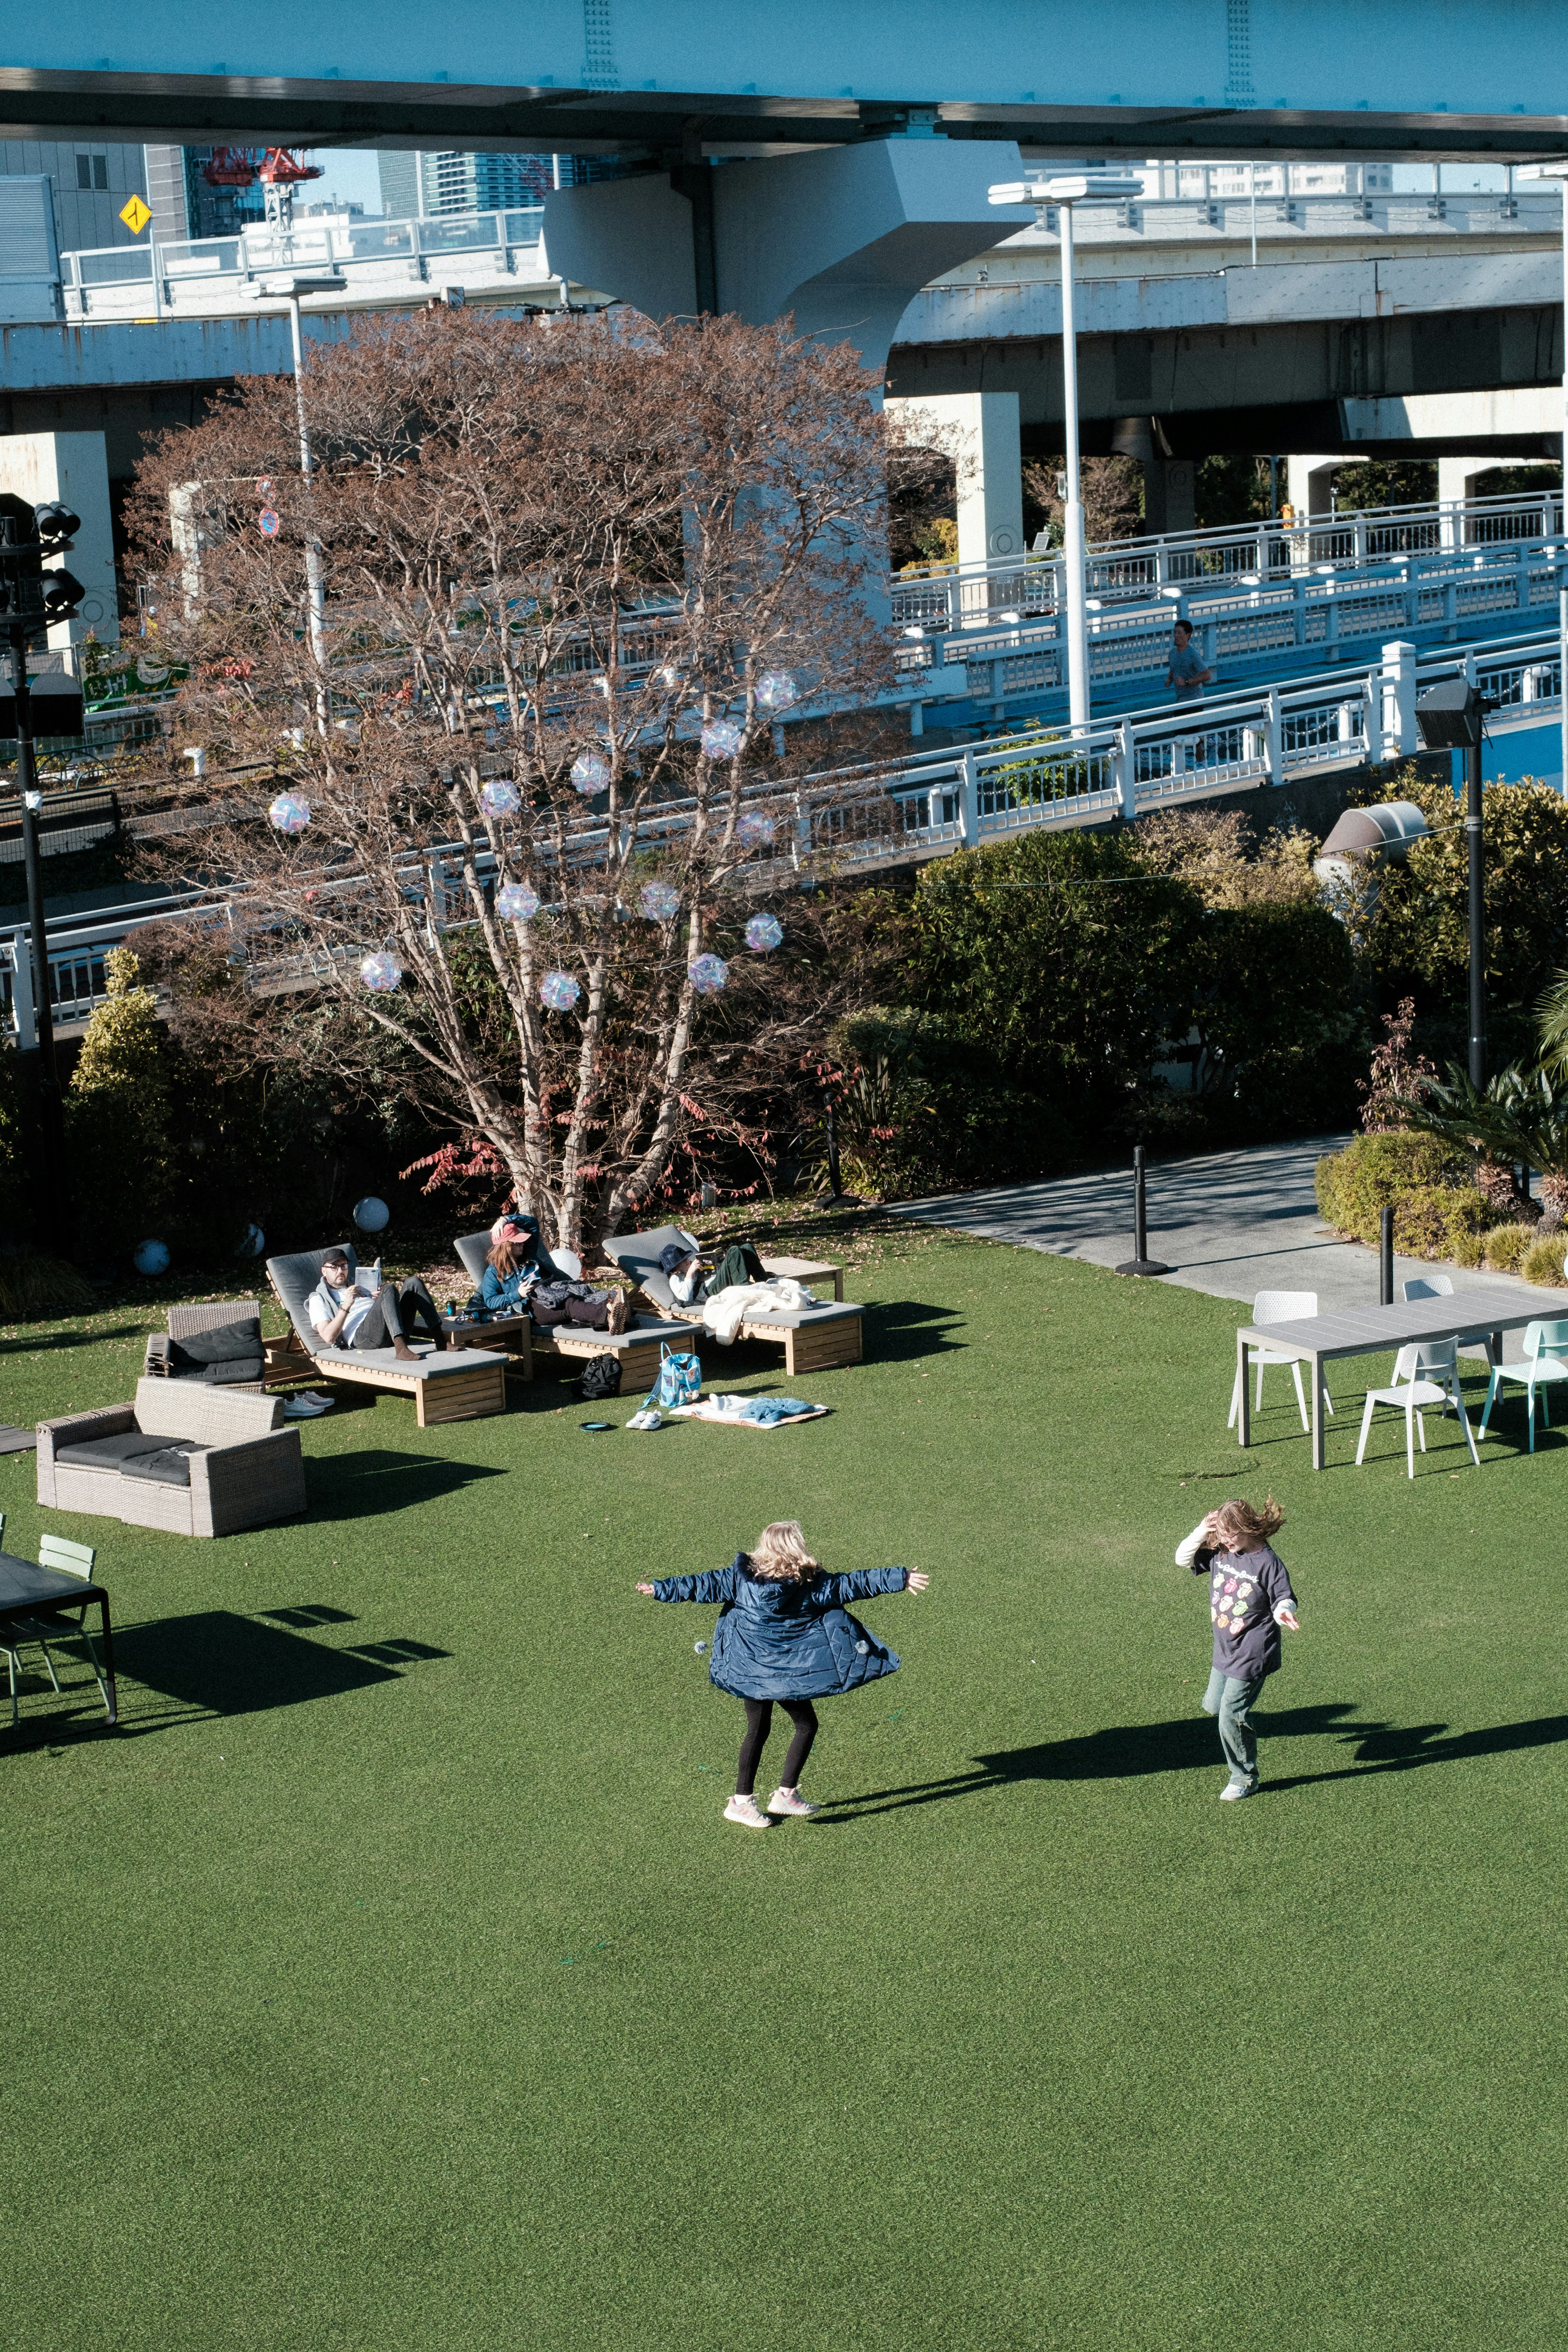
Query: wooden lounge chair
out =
(635, 1350)
(450, 1384)
(813, 1337)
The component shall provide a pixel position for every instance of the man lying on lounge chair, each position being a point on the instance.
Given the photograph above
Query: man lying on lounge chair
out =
(363, 1312)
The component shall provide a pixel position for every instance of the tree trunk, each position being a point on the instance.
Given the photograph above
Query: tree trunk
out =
(1499, 1187)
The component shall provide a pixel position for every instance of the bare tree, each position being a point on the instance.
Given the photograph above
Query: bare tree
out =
(530, 730)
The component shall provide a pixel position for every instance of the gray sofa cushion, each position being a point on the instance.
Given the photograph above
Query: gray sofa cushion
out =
(109, 1452)
(169, 1467)
(223, 1343)
(224, 1374)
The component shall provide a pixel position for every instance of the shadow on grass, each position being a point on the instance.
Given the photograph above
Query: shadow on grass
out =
(1132, 1751)
(364, 1485)
(208, 1666)
(39, 1341)
(908, 1327)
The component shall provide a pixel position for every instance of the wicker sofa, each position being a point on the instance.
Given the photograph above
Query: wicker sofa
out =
(196, 1460)
(637, 1349)
(813, 1339)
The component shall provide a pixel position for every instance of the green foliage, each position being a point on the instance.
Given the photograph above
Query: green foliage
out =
(117, 1109)
(1356, 1184)
(923, 1107)
(1506, 1246)
(1276, 1006)
(13, 1146)
(1542, 1263)
(1419, 941)
(31, 1285)
(1435, 1220)
(1383, 482)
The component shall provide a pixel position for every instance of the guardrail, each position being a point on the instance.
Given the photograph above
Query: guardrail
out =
(972, 595)
(380, 260)
(925, 805)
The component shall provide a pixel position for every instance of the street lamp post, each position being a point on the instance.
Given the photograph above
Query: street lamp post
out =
(290, 286)
(1448, 718)
(1064, 190)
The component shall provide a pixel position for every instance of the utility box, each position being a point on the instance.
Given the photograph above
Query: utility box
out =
(74, 469)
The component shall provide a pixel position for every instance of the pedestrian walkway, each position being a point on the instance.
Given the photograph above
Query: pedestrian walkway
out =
(1228, 1223)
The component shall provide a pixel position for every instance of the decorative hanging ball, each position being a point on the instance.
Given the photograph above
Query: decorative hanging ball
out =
(253, 1242)
(590, 772)
(516, 902)
(289, 814)
(764, 933)
(559, 991)
(659, 901)
(721, 738)
(371, 1215)
(151, 1257)
(667, 679)
(499, 799)
(752, 831)
(777, 691)
(708, 974)
(381, 973)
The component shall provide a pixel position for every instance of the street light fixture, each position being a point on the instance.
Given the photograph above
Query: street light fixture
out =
(1558, 172)
(288, 288)
(1063, 191)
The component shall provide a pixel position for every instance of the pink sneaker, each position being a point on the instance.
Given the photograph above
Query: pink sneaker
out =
(789, 1800)
(744, 1811)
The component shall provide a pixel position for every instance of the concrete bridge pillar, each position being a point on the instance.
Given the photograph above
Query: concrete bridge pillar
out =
(1311, 483)
(979, 430)
(840, 238)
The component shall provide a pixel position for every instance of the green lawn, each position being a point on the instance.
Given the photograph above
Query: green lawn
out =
(391, 1979)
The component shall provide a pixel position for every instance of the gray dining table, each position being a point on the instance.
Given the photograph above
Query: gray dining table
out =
(1484, 1313)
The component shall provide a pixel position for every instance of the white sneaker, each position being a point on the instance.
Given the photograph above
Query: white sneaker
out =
(744, 1811)
(1235, 1788)
(789, 1800)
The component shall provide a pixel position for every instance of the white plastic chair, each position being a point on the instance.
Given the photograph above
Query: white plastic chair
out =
(1277, 1307)
(1545, 1344)
(1440, 1286)
(1423, 1375)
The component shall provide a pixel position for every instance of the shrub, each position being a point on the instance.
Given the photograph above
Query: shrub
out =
(1356, 1184)
(1435, 1218)
(117, 1108)
(39, 1285)
(1542, 1263)
(1506, 1246)
(1470, 1249)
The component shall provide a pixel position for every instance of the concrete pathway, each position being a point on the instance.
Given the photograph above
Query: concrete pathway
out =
(1230, 1223)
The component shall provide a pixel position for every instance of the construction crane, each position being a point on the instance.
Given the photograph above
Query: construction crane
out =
(278, 171)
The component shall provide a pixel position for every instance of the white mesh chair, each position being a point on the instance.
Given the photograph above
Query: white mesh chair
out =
(1423, 1375)
(1277, 1307)
(1545, 1346)
(1439, 1286)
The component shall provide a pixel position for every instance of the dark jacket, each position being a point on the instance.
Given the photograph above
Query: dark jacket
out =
(1246, 1589)
(789, 1640)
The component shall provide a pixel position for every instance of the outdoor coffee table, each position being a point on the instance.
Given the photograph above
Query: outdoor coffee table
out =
(808, 1270)
(1317, 1340)
(511, 1335)
(29, 1592)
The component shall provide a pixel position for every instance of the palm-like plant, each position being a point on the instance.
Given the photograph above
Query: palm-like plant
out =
(1534, 1130)
(1487, 1122)
(1551, 1014)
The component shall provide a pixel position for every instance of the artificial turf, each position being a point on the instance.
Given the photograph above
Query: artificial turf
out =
(391, 1978)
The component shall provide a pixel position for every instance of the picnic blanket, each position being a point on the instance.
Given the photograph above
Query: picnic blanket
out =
(750, 1413)
(727, 1309)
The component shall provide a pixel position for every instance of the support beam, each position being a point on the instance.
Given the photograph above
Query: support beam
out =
(1310, 483)
(979, 430)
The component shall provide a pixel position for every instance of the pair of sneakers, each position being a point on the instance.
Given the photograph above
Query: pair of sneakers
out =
(783, 1803)
(306, 1406)
(1236, 1787)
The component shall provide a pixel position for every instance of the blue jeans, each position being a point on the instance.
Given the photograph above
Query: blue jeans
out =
(1229, 1697)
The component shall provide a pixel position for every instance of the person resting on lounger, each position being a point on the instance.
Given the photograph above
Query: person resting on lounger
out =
(361, 1312)
(691, 1280)
(515, 1282)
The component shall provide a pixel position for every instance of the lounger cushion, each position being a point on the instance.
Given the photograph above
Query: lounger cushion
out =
(170, 1466)
(430, 1366)
(110, 1452)
(221, 1374)
(223, 1343)
(642, 1329)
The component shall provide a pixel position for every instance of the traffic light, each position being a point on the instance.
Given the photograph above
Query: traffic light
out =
(29, 595)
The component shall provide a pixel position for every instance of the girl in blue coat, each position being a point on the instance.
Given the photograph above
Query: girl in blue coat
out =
(784, 1633)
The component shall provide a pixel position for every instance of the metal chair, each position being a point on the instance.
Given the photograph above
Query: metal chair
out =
(1440, 1286)
(1277, 1307)
(1545, 1345)
(66, 1559)
(1423, 1375)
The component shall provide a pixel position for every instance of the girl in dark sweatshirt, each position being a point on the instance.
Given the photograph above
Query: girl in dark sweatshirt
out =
(1249, 1600)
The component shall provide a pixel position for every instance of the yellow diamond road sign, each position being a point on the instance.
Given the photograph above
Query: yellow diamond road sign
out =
(135, 216)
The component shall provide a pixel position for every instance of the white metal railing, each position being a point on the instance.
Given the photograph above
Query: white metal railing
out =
(203, 276)
(972, 595)
(930, 803)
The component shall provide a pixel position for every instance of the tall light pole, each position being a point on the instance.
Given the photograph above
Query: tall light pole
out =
(1064, 192)
(1558, 172)
(290, 286)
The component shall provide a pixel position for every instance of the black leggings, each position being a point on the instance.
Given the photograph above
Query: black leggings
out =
(759, 1723)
